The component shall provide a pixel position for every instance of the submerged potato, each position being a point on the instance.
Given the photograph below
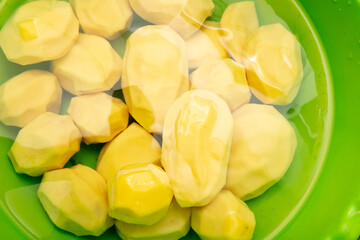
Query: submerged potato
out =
(184, 16)
(225, 78)
(133, 146)
(175, 225)
(45, 144)
(205, 45)
(225, 218)
(76, 200)
(140, 195)
(91, 66)
(197, 133)
(274, 65)
(99, 116)
(39, 31)
(106, 18)
(263, 147)
(27, 95)
(155, 74)
(239, 21)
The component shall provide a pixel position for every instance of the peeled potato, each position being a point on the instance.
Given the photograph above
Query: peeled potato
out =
(205, 45)
(45, 144)
(225, 218)
(133, 146)
(155, 74)
(105, 18)
(225, 78)
(263, 147)
(99, 116)
(39, 31)
(184, 16)
(274, 65)
(91, 66)
(76, 200)
(27, 95)
(197, 133)
(239, 21)
(140, 195)
(175, 225)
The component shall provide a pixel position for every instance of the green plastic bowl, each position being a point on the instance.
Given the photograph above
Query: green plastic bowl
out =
(319, 197)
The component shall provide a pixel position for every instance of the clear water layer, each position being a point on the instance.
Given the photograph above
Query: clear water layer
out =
(310, 114)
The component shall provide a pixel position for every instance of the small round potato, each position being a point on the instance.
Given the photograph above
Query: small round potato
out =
(91, 66)
(225, 218)
(175, 225)
(274, 65)
(39, 31)
(76, 200)
(196, 146)
(99, 116)
(225, 78)
(105, 18)
(45, 144)
(238, 22)
(184, 16)
(155, 74)
(140, 195)
(135, 145)
(205, 45)
(263, 147)
(27, 95)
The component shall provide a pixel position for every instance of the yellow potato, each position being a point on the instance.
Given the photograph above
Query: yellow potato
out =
(226, 218)
(140, 195)
(175, 225)
(184, 16)
(274, 65)
(27, 95)
(39, 31)
(45, 144)
(192, 17)
(91, 66)
(106, 18)
(155, 74)
(131, 147)
(197, 133)
(205, 45)
(225, 78)
(76, 200)
(99, 116)
(263, 147)
(239, 21)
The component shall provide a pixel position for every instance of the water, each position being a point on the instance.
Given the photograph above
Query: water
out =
(310, 114)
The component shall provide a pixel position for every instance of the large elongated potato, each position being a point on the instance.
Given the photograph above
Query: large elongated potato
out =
(140, 195)
(99, 116)
(184, 16)
(225, 78)
(226, 218)
(173, 226)
(274, 65)
(27, 95)
(91, 66)
(76, 200)
(39, 31)
(196, 146)
(155, 74)
(106, 18)
(45, 144)
(263, 147)
(133, 146)
(239, 21)
(206, 45)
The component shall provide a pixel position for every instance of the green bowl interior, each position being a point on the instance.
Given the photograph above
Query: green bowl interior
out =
(310, 114)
